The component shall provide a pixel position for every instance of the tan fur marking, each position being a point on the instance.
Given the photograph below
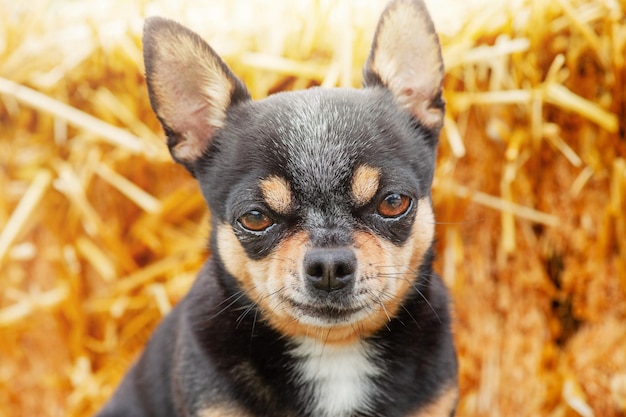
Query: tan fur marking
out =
(222, 412)
(442, 406)
(277, 194)
(364, 184)
(237, 262)
(408, 60)
(384, 269)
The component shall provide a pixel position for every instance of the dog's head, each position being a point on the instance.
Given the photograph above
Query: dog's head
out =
(320, 198)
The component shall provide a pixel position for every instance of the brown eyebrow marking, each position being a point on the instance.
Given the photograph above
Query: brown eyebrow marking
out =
(365, 184)
(221, 412)
(277, 194)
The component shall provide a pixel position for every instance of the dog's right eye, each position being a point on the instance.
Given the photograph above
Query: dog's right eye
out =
(255, 221)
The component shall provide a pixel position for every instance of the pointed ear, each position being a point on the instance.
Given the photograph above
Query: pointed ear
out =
(406, 59)
(190, 87)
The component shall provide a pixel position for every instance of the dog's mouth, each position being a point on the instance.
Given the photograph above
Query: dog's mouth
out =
(328, 312)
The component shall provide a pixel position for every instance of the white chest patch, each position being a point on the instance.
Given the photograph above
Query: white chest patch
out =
(338, 378)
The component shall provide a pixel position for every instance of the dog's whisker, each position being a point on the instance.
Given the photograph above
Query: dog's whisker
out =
(240, 295)
(382, 305)
(229, 298)
(254, 319)
(426, 300)
(411, 316)
(415, 285)
(248, 309)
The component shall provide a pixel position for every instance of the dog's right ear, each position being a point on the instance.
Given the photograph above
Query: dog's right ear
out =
(190, 88)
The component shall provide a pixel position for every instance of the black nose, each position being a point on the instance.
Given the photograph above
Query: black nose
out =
(329, 269)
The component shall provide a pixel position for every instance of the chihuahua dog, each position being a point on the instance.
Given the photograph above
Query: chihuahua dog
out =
(320, 298)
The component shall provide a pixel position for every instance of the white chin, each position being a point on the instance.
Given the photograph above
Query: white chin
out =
(328, 319)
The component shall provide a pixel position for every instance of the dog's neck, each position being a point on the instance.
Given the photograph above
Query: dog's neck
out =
(337, 378)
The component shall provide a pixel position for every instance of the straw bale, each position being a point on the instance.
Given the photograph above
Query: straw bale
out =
(101, 234)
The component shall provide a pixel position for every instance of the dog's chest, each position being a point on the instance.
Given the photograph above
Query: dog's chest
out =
(336, 381)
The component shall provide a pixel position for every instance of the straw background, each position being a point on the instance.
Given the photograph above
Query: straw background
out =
(100, 233)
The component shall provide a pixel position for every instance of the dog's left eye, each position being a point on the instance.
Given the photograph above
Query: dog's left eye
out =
(394, 205)
(255, 221)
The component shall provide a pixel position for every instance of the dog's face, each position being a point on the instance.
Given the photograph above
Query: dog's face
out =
(320, 198)
(321, 201)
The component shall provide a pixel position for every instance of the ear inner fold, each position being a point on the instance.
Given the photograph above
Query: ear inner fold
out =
(190, 87)
(406, 59)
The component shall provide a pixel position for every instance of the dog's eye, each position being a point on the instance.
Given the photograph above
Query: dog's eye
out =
(394, 205)
(255, 221)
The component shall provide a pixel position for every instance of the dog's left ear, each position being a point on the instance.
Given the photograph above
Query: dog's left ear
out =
(406, 59)
(191, 88)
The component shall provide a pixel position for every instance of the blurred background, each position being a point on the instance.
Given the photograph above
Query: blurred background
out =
(100, 233)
